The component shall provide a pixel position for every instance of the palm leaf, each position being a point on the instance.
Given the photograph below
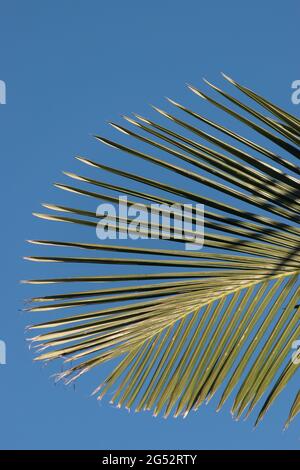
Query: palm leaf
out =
(222, 319)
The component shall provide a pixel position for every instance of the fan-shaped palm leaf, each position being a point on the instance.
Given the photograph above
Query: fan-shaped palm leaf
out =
(222, 318)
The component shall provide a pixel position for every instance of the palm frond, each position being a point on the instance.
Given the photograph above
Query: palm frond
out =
(222, 319)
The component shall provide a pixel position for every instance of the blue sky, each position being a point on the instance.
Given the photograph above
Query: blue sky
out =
(69, 66)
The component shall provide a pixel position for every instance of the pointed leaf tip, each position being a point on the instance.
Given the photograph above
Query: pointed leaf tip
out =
(228, 78)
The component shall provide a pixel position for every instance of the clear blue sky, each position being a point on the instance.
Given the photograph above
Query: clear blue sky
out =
(69, 66)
